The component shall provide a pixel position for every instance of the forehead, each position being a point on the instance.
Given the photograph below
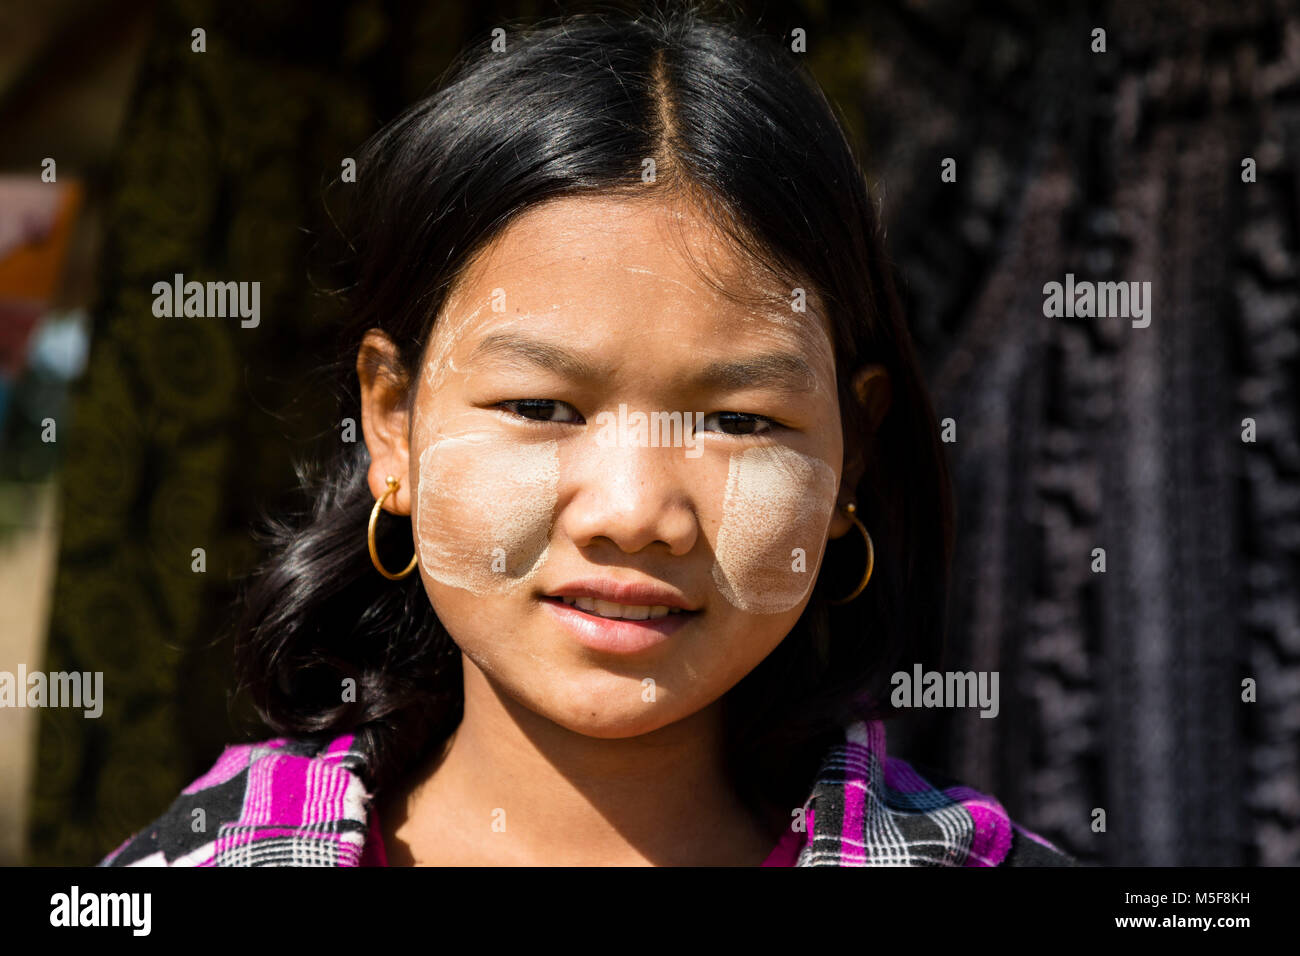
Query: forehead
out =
(627, 269)
(598, 238)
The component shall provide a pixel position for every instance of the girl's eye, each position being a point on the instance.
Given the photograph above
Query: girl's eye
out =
(543, 410)
(744, 424)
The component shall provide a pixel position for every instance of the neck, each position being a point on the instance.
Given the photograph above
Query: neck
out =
(514, 788)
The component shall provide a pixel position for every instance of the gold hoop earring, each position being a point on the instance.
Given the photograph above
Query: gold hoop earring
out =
(370, 535)
(851, 510)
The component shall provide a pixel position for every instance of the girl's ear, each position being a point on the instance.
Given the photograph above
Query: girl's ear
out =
(871, 386)
(385, 417)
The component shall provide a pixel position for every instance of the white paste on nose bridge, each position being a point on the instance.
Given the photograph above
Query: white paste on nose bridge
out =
(484, 510)
(777, 500)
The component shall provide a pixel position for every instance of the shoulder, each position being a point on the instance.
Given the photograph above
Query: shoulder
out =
(1023, 847)
(872, 809)
(280, 802)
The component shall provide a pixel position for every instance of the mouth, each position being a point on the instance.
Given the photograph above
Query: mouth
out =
(619, 612)
(608, 597)
(615, 628)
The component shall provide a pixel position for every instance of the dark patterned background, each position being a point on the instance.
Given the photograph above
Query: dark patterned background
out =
(1119, 691)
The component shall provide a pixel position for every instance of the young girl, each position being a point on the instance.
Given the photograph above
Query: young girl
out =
(650, 505)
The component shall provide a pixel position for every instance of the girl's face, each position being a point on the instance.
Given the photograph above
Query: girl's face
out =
(594, 423)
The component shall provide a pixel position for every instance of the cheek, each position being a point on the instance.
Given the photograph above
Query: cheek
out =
(775, 514)
(484, 510)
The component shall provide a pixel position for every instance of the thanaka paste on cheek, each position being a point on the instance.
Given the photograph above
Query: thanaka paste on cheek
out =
(484, 509)
(777, 503)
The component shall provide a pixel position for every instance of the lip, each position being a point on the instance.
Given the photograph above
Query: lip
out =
(614, 636)
(646, 593)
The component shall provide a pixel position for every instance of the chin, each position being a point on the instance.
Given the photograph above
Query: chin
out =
(610, 725)
(610, 712)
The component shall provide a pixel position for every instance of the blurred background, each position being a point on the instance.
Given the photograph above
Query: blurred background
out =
(127, 441)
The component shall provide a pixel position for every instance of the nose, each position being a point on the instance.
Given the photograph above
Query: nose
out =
(633, 497)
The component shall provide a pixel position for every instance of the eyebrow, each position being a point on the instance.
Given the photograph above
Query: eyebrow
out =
(783, 371)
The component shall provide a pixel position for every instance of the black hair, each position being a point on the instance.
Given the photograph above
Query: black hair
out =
(573, 106)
